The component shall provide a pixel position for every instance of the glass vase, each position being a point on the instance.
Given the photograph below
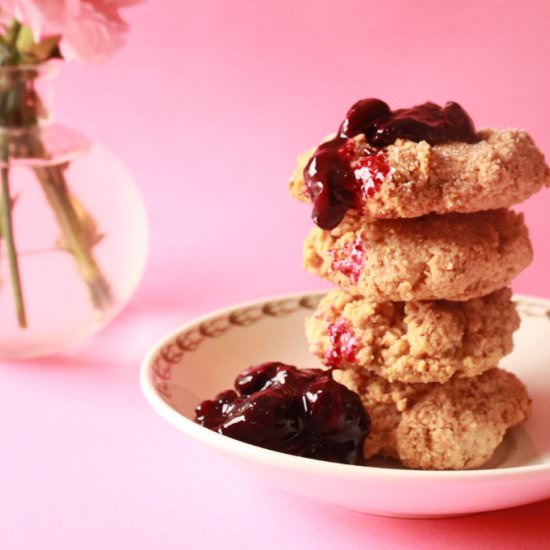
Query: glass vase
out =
(73, 228)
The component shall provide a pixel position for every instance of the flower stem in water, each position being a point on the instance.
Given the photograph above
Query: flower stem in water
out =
(7, 234)
(53, 184)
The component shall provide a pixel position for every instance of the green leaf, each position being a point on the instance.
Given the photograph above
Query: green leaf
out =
(31, 52)
(47, 48)
(11, 32)
(24, 42)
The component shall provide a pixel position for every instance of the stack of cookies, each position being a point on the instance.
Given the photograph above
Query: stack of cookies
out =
(413, 227)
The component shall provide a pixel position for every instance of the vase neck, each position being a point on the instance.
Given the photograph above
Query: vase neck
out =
(26, 93)
(27, 132)
(41, 145)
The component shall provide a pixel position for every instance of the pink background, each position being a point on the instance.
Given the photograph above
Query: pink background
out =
(208, 105)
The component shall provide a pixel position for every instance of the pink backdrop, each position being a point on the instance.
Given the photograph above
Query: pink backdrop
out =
(208, 105)
(211, 102)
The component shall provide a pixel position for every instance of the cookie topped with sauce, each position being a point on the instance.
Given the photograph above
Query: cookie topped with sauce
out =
(412, 162)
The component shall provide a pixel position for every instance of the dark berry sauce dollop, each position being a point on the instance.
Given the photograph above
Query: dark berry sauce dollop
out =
(335, 185)
(303, 412)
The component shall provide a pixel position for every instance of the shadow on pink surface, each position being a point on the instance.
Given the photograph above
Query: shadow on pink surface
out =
(521, 527)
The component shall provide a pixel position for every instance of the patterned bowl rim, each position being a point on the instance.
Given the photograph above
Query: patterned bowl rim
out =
(531, 306)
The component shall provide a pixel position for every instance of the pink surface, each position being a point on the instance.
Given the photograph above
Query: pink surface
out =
(208, 105)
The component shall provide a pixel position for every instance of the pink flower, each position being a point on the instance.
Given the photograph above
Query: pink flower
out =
(91, 30)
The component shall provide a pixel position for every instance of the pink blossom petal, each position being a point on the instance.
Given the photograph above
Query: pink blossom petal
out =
(92, 36)
(91, 29)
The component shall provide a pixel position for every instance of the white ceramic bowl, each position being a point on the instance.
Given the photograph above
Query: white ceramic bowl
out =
(203, 357)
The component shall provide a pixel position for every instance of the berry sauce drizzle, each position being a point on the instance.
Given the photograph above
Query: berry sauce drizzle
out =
(303, 412)
(335, 183)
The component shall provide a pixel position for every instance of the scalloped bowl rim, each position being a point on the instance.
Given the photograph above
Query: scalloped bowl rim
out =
(275, 458)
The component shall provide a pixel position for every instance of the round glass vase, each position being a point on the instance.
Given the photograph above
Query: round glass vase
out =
(73, 228)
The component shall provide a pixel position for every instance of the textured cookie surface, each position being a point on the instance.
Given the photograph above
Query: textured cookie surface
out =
(413, 341)
(451, 257)
(502, 169)
(452, 426)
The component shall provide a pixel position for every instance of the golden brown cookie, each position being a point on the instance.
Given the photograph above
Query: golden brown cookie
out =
(503, 168)
(451, 257)
(452, 426)
(413, 341)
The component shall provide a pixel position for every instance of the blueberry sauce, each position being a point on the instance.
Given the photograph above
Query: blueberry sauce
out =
(335, 183)
(303, 412)
(343, 344)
